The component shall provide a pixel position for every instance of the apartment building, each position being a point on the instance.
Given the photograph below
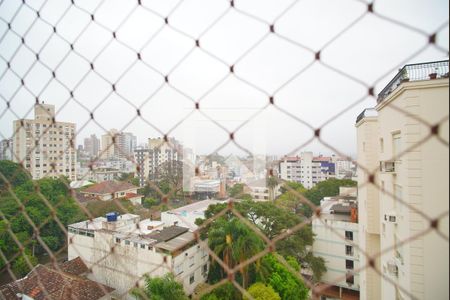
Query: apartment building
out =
(259, 190)
(140, 247)
(6, 149)
(336, 241)
(46, 147)
(92, 146)
(159, 156)
(306, 169)
(118, 145)
(410, 180)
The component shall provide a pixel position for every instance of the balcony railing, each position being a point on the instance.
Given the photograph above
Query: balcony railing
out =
(415, 72)
(387, 166)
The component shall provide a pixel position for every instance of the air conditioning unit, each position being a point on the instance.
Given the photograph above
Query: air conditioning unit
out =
(391, 217)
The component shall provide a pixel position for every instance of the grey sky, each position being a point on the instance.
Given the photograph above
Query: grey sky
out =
(370, 52)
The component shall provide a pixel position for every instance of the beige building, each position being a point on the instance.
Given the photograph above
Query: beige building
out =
(141, 247)
(44, 146)
(410, 175)
(117, 145)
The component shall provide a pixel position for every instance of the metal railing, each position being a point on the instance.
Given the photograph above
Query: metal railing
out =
(415, 72)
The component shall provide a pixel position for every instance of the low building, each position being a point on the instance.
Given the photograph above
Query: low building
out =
(336, 240)
(64, 281)
(109, 190)
(120, 250)
(259, 190)
(185, 216)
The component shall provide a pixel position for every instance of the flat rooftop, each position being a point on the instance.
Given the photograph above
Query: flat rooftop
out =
(196, 207)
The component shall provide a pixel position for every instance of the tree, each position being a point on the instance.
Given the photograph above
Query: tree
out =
(260, 291)
(161, 288)
(236, 190)
(21, 267)
(327, 188)
(286, 284)
(226, 291)
(271, 183)
(234, 243)
(14, 173)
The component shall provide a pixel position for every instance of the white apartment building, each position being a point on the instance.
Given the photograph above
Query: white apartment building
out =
(185, 216)
(150, 160)
(121, 249)
(259, 190)
(305, 169)
(410, 177)
(118, 145)
(44, 146)
(336, 240)
(92, 145)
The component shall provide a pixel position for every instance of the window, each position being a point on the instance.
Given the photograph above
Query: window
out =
(117, 240)
(349, 250)
(396, 145)
(142, 246)
(191, 279)
(349, 264)
(381, 145)
(350, 278)
(179, 269)
(205, 269)
(349, 235)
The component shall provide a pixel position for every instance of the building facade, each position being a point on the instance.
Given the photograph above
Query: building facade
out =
(6, 149)
(44, 146)
(140, 248)
(118, 145)
(159, 157)
(410, 180)
(336, 241)
(306, 169)
(92, 146)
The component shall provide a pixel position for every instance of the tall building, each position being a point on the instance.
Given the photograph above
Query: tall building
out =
(158, 157)
(335, 237)
(92, 145)
(118, 145)
(6, 149)
(410, 176)
(306, 169)
(44, 146)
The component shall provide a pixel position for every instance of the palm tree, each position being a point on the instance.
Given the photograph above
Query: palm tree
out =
(234, 243)
(271, 183)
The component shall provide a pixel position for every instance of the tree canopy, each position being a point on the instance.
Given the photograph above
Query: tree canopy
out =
(260, 291)
(161, 288)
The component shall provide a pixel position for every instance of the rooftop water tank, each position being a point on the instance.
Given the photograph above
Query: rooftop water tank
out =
(111, 216)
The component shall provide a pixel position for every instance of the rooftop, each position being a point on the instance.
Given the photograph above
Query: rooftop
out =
(109, 187)
(46, 282)
(194, 208)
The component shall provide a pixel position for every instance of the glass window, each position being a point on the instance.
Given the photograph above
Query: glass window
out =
(349, 235)
(349, 250)
(191, 279)
(349, 264)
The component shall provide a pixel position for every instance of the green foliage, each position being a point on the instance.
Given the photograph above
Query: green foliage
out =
(150, 202)
(14, 173)
(246, 197)
(44, 201)
(161, 288)
(100, 208)
(286, 284)
(236, 190)
(260, 291)
(226, 291)
(317, 265)
(327, 188)
(21, 267)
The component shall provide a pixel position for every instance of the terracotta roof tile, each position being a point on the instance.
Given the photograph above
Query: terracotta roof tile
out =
(109, 187)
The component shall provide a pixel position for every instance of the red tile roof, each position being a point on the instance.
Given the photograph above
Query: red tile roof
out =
(109, 187)
(132, 195)
(45, 282)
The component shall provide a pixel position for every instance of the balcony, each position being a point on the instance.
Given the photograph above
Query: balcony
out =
(415, 72)
(388, 166)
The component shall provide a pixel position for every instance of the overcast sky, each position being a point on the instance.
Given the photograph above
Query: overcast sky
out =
(281, 65)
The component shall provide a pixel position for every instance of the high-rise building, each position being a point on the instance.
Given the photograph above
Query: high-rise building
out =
(118, 145)
(403, 177)
(306, 169)
(44, 146)
(6, 149)
(159, 156)
(92, 145)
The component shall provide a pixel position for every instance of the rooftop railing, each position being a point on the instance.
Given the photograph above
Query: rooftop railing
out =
(415, 72)
(368, 112)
